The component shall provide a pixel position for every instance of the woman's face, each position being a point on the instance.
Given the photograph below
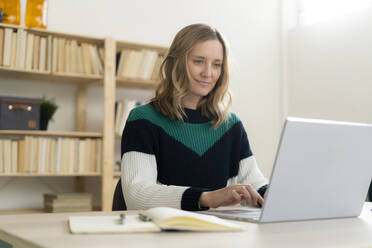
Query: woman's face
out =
(204, 63)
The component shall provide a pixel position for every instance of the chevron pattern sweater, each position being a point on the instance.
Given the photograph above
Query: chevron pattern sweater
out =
(169, 163)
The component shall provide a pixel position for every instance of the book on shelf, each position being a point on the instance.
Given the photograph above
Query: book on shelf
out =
(118, 60)
(33, 154)
(51, 165)
(101, 54)
(73, 56)
(14, 50)
(14, 158)
(122, 110)
(67, 202)
(149, 65)
(97, 66)
(7, 46)
(134, 63)
(29, 50)
(21, 48)
(121, 62)
(1, 156)
(8, 155)
(128, 63)
(41, 149)
(49, 53)
(99, 155)
(156, 71)
(36, 53)
(41, 154)
(61, 54)
(68, 56)
(55, 43)
(1, 45)
(86, 58)
(43, 54)
(79, 56)
(152, 220)
(21, 156)
(82, 158)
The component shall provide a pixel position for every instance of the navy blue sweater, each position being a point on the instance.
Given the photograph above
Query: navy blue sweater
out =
(191, 155)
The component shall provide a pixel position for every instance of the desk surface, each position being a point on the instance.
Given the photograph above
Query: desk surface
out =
(51, 230)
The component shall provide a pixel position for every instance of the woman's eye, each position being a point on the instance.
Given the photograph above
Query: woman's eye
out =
(198, 61)
(217, 65)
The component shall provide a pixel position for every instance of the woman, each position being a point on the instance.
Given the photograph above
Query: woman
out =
(184, 149)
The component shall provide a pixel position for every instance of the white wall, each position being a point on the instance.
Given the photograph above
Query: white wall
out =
(251, 26)
(330, 74)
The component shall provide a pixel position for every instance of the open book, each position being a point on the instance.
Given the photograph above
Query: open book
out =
(161, 218)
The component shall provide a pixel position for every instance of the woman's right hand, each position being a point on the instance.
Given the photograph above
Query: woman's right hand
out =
(231, 195)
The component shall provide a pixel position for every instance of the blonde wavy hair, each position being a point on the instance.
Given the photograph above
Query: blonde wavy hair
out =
(174, 77)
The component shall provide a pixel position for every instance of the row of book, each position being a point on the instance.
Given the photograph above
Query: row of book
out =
(141, 64)
(25, 50)
(122, 110)
(39, 154)
(67, 202)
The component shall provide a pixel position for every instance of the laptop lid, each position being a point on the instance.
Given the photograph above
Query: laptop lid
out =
(322, 170)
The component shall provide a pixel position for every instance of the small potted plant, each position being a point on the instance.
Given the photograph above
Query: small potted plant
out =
(47, 110)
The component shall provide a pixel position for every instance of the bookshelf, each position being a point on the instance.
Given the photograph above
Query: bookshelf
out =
(102, 53)
(49, 133)
(65, 78)
(142, 77)
(50, 153)
(52, 71)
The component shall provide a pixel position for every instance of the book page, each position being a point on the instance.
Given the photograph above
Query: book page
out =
(109, 224)
(171, 218)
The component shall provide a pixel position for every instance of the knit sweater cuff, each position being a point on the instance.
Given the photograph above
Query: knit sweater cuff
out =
(190, 199)
(262, 190)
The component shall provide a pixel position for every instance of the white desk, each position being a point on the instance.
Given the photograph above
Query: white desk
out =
(51, 230)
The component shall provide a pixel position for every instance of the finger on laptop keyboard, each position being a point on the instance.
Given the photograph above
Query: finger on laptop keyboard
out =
(256, 197)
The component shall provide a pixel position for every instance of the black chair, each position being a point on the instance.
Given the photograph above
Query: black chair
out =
(118, 203)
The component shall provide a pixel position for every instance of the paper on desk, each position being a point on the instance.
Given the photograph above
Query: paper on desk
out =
(109, 224)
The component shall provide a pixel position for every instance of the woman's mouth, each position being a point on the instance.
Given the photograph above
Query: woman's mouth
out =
(203, 83)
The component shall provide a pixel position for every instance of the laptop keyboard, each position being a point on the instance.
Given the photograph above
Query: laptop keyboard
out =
(236, 214)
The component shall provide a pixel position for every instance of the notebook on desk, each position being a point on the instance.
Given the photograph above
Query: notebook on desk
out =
(152, 220)
(322, 170)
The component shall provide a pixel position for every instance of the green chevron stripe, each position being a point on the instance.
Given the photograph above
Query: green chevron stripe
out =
(197, 137)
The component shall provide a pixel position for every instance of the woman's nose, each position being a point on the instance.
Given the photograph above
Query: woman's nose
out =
(207, 70)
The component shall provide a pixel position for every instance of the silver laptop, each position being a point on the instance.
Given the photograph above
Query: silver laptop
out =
(322, 170)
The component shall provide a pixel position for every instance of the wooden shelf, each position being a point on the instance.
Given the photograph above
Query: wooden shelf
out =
(48, 133)
(84, 38)
(74, 78)
(65, 174)
(22, 211)
(120, 45)
(46, 76)
(136, 83)
(32, 211)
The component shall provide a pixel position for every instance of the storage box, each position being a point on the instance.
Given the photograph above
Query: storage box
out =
(19, 113)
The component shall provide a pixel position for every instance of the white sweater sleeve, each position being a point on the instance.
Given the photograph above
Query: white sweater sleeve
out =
(139, 183)
(249, 173)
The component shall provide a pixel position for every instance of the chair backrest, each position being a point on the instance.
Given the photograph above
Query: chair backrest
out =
(118, 203)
